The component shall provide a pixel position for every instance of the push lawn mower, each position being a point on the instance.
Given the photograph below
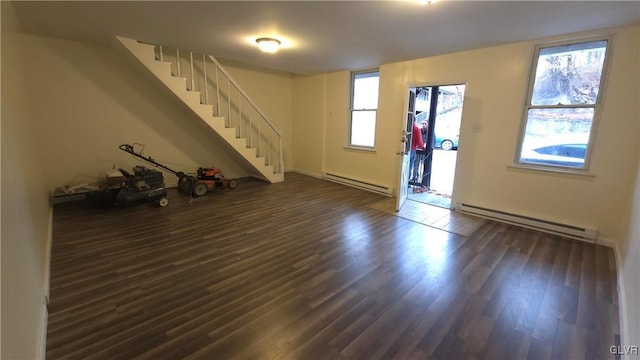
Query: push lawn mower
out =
(141, 186)
(205, 180)
(125, 189)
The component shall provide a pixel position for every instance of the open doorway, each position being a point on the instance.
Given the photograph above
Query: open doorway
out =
(438, 112)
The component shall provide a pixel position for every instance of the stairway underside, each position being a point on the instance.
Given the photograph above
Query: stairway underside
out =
(258, 165)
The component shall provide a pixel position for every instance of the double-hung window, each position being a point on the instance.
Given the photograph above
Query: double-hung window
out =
(562, 106)
(364, 106)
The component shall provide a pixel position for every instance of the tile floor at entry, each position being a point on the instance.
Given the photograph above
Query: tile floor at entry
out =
(433, 216)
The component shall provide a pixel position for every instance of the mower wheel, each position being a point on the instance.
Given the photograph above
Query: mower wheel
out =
(200, 189)
(163, 202)
(232, 184)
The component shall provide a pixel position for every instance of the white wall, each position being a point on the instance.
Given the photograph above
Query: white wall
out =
(25, 211)
(496, 81)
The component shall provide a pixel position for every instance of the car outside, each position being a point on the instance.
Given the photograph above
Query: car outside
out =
(567, 150)
(568, 155)
(446, 140)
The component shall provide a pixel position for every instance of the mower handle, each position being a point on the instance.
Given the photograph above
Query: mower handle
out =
(129, 149)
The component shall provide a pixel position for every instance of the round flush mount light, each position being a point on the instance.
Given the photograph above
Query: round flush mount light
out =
(268, 45)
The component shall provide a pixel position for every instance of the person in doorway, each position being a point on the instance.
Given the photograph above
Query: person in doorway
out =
(416, 143)
(424, 127)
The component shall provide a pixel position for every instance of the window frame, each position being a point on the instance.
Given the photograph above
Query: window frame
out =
(596, 106)
(350, 145)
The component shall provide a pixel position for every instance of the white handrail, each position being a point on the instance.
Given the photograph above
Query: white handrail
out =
(275, 160)
(229, 102)
(253, 104)
(178, 62)
(280, 165)
(206, 83)
(193, 83)
(268, 152)
(217, 93)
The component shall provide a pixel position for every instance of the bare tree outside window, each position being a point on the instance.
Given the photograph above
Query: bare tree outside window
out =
(562, 105)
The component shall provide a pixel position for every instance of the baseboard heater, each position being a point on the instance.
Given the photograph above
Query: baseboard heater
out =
(380, 189)
(570, 231)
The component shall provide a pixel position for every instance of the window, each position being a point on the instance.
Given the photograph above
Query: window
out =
(562, 105)
(364, 106)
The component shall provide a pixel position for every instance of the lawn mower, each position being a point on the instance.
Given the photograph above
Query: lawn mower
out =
(142, 186)
(125, 189)
(205, 180)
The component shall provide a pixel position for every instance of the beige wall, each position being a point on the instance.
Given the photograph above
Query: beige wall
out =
(25, 212)
(88, 100)
(628, 248)
(308, 110)
(496, 81)
(628, 257)
(67, 105)
(272, 91)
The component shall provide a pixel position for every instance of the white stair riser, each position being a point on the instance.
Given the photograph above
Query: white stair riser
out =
(178, 85)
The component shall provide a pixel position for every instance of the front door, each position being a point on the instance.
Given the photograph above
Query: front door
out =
(438, 111)
(405, 151)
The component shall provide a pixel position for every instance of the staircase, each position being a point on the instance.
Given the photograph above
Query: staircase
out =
(203, 85)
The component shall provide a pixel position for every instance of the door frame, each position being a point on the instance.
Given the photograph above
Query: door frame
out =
(418, 84)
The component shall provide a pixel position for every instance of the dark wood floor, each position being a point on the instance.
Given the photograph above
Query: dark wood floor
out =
(306, 269)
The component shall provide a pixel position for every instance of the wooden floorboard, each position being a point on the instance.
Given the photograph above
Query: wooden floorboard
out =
(309, 269)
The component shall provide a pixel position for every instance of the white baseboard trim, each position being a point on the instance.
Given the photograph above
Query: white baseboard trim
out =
(47, 281)
(308, 173)
(563, 229)
(622, 299)
(47, 256)
(359, 184)
(43, 334)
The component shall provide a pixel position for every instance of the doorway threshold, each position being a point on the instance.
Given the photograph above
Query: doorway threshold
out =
(433, 216)
(430, 198)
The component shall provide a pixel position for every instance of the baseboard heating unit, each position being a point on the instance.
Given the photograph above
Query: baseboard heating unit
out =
(570, 231)
(380, 189)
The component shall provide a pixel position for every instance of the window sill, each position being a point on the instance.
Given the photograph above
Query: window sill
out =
(360, 149)
(553, 170)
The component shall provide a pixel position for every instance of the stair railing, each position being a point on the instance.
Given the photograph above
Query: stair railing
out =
(229, 100)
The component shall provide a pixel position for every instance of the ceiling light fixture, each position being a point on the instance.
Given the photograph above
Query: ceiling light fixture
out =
(268, 45)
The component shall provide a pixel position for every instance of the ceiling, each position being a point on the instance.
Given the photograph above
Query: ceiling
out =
(322, 36)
